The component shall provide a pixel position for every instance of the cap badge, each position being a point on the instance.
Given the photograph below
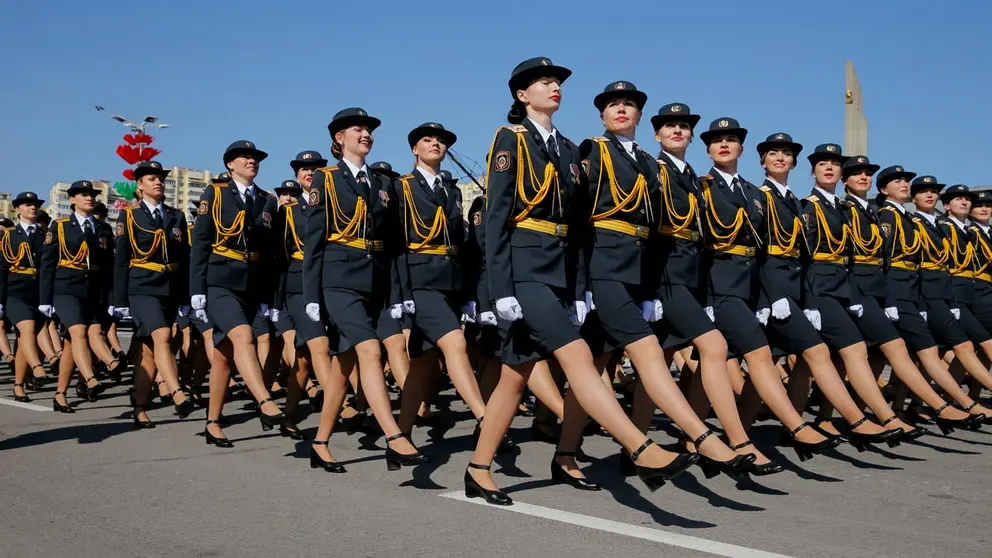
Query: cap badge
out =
(723, 124)
(249, 144)
(832, 148)
(620, 85)
(545, 62)
(898, 169)
(779, 136)
(361, 113)
(927, 179)
(308, 156)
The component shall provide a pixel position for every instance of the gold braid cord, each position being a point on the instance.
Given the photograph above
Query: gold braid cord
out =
(835, 246)
(868, 247)
(932, 255)
(224, 233)
(623, 201)
(291, 231)
(676, 222)
(906, 251)
(783, 238)
(344, 228)
(965, 261)
(158, 240)
(12, 259)
(717, 227)
(425, 234)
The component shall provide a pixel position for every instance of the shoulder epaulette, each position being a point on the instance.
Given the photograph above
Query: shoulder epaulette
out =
(516, 128)
(326, 170)
(765, 188)
(706, 177)
(812, 198)
(887, 208)
(661, 162)
(407, 177)
(599, 139)
(917, 220)
(62, 220)
(290, 203)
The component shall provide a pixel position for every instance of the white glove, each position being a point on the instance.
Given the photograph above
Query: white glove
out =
(780, 309)
(924, 314)
(578, 312)
(198, 302)
(122, 313)
(274, 315)
(313, 311)
(509, 309)
(710, 314)
(409, 307)
(659, 312)
(857, 310)
(762, 315)
(589, 303)
(892, 313)
(469, 310)
(651, 310)
(956, 312)
(814, 318)
(263, 310)
(111, 309)
(1, 310)
(184, 310)
(487, 318)
(466, 319)
(200, 314)
(396, 311)
(47, 310)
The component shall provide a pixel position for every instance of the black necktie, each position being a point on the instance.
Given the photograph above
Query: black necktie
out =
(88, 232)
(439, 194)
(157, 217)
(31, 234)
(552, 151)
(739, 190)
(363, 181)
(249, 202)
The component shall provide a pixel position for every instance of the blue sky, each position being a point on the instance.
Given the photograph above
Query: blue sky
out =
(275, 73)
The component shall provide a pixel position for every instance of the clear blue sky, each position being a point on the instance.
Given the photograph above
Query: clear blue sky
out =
(275, 73)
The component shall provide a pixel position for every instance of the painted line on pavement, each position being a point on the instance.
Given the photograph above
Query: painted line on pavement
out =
(27, 406)
(636, 531)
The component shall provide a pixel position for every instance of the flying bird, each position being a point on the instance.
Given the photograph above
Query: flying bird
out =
(98, 107)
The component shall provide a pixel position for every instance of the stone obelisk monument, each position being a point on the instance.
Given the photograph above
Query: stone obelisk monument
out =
(855, 123)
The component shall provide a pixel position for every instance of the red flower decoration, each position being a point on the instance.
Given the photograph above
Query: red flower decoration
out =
(128, 174)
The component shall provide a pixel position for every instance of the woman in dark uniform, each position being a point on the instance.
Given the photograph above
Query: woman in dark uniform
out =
(536, 222)
(877, 325)
(833, 305)
(981, 210)
(936, 288)
(21, 250)
(230, 280)
(76, 274)
(732, 211)
(151, 278)
(430, 273)
(349, 271)
(625, 190)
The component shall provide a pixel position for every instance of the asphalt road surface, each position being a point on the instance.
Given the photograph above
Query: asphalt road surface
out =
(87, 484)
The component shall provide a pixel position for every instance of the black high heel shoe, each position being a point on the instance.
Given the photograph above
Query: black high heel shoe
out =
(316, 461)
(115, 370)
(214, 440)
(656, 477)
(22, 398)
(506, 447)
(56, 406)
(560, 476)
(711, 467)
(805, 450)
(395, 459)
(165, 399)
(907, 435)
(316, 401)
(474, 490)
(269, 421)
(769, 468)
(980, 419)
(90, 393)
(862, 441)
(186, 407)
(291, 431)
(627, 467)
(138, 423)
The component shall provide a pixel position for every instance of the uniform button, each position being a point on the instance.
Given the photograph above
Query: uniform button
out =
(447, 258)
(561, 243)
(637, 242)
(368, 256)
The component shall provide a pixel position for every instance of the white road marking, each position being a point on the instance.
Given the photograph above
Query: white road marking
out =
(646, 533)
(28, 406)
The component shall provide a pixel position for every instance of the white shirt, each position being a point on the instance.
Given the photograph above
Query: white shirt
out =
(960, 225)
(242, 189)
(783, 190)
(932, 219)
(831, 198)
(861, 202)
(985, 228)
(545, 134)
(730, 178)
(430, 177)
(355, 170)
(26, 227)
(897, 206)
(628, 144)
(152, 206)
(679, 163)
(82, 219)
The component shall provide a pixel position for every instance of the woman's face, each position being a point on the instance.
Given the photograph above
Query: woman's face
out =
(27, 212)
(544, 95)
(925, 200)
(897, 190)
(778, 161)
(621, 116)
(981, 212)
(725, 149)
(430, 150)
(827, 172)
(305, 176)
(151, 186)
(245, 166)
(959, 207)
(859, 183)
(355, 139)
(674, 137)
(83, 201)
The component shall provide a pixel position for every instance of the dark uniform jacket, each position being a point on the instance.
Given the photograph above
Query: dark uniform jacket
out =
(74, 265)
(869, 249)
(343, 249)
(826, 229)
(290, 229)
(476, 276)
(732, 221)
(19, 265)
(623, 216)
(786, 256)
(548, 195)
(935, 282)
(903, 245)
(433, 236)
(982, 263)
(680, 224)
(151, 259)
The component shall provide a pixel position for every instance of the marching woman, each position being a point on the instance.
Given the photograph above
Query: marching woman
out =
(981, 210)
(21, 249)
(833, 306)
(151, 282)
(230, 268)
(625, 191)
(535, 229)
(76, 273)
(349, 272)
(936, 290)
(731, 208)
(877, 325)
(430, 273)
